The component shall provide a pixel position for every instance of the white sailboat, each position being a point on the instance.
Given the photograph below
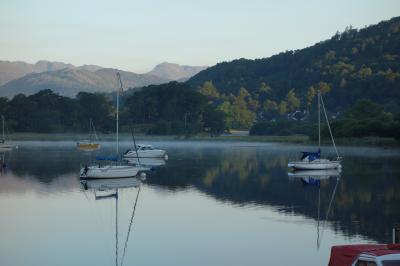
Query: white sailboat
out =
(313, 160)
(3, 144)
(111, 170)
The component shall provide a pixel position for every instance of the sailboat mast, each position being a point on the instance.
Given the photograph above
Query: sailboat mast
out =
(319, 119)
(116, 227)
(120, 87)
(2, 121)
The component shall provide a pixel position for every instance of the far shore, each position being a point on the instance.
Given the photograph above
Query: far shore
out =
(297, 139)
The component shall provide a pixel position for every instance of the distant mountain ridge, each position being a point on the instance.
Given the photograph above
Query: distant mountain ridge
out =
(68, 82)
(14, 70)
(176, 72)
(67, 79)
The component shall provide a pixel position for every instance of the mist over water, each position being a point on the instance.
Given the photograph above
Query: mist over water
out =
(212, 203)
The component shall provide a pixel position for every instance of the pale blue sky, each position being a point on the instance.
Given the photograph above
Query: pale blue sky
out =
(138, 34)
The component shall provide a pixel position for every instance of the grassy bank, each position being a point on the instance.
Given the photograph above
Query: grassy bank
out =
(299, 139)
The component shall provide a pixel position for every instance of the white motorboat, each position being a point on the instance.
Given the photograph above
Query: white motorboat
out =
(313, 160)
(145, 151)
(111, 170)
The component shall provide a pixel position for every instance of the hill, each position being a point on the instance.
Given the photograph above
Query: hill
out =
(70, 81)
(67, 79)
(175, 72)
(354, 64)
(14, 70)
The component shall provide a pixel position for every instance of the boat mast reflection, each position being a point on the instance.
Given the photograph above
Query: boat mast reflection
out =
(314, 178)
(111, 188)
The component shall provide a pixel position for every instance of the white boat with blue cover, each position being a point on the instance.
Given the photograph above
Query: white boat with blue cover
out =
(112, 168)
(107, 170)
(313, 160)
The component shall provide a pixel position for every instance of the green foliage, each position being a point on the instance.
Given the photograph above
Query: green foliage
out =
(352, 65)
(208, 89)
(292, 100)
(365, 119)
(47, 111)
(174, 108)
(214, 121)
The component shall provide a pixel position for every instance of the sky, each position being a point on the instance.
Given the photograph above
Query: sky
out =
(135, 35)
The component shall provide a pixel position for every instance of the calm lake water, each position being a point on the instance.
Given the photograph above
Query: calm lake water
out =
(212, 203)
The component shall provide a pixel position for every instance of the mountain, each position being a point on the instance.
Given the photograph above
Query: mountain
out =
(70, 81)
(67, 79)
(176, 72)
(354, 64)
(91, 68)
(13, 70)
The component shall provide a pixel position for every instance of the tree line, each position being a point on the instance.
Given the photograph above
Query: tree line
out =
(171, 108)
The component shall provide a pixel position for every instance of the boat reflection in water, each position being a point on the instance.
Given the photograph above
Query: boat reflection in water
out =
(314, 178)
(104, 189)
(3, 163)
(146, 162)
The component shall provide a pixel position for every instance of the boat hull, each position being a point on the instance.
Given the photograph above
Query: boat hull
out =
(88, 145)
(5, 146)
(145, 154)
(109, 171)
(315, 165)
(317, 174)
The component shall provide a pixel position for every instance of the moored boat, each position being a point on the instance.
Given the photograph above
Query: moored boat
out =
(145, 151)
(92, 143)
(3, 144)
(313, 160)
(111, 170)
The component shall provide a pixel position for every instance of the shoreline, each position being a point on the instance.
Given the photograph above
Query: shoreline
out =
(295, 139)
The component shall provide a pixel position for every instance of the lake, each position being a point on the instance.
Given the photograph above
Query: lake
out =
(212, 203)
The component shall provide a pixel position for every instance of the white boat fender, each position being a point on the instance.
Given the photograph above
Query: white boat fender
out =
(143, 175)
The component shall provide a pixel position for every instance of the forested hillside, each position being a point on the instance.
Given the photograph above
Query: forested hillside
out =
(354, 64)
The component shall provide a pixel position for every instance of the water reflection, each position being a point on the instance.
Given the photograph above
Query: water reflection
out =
(313, 179)
(150, 162)
(365, 201)
(108, 189)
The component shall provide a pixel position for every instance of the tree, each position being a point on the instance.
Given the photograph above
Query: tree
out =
(310, 96)
(282, 107)
(208, 89)
(214, 120)
(97, 107)
(324, 87)
(292, 100)
(226, 108)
